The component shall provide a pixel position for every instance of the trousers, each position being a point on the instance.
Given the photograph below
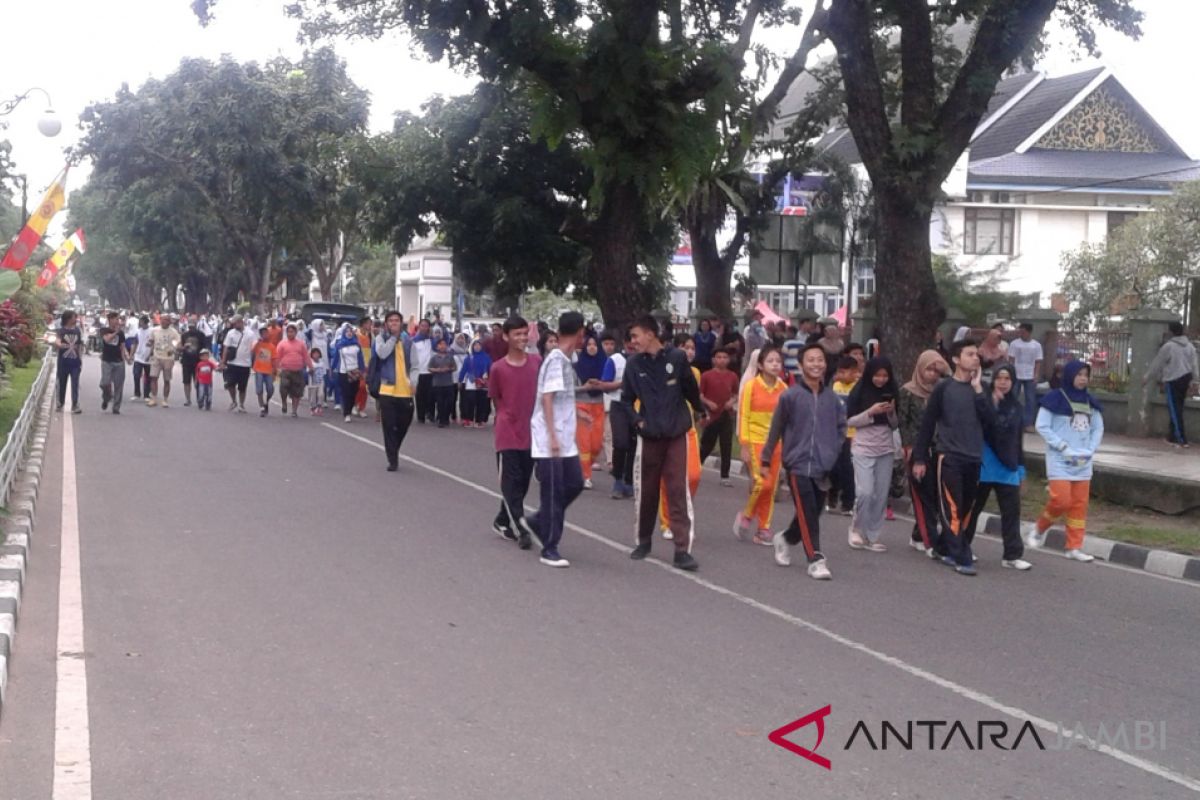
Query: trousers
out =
(661, 466)
(395, 415)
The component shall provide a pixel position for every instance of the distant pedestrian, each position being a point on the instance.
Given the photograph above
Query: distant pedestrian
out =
(205, 367)
(318, 376)
(1177, 368)
(236, 360)
(70, 360)
(113, 358)
(621, 423)
(442, 367)
(396, 405)
(193, 341)
(141, 360)
(594, 370)
(292, 359)
(1072, 423)
(842, 491)
(931, 367)
(871, 411)
(1026, 355)
(759, 397)
(164, 348)
(719, 393)
(265, 366)
(347, 363)
(552, 433)
(422, 349)
(513, 387)
(474, 376)
(706, 344)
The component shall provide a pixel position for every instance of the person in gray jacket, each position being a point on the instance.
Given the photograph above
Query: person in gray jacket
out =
(810, 422)
(1176, 367)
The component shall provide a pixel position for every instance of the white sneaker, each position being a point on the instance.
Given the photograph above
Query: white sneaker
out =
(1079, 555)
(587, 483)
(818, 571)
(856, 540)
(555, 562)
(1017, 564)
(741, 526)
(783, 550)
(876, 547)
(1033, 538)
(917, 544)
(347, 419)
(667, 534)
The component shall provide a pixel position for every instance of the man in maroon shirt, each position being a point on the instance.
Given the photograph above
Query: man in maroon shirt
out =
(718, 391)
(513, 388)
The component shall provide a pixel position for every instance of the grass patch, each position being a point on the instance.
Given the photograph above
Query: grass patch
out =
(20, 381)
(1186, 542)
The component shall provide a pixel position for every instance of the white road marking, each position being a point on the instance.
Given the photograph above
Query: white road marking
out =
(981, 698)
(72, 737)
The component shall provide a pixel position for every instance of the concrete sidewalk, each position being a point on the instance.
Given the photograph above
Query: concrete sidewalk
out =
(1151, 456)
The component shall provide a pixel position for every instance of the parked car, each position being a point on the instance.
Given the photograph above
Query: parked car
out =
(334, 314)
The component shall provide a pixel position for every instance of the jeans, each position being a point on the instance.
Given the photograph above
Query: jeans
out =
(203, 396)
(264, 382)
(561, 481)
(112, 382)
(395, 414)
(1029, 399)
(68, 369)
(141, 379)
(1176, 395)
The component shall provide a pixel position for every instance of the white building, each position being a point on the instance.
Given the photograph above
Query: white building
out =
(424, 280)
(1054, 164)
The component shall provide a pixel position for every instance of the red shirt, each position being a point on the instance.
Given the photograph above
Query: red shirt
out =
(204, 372)
(515, 391)
(719, 386)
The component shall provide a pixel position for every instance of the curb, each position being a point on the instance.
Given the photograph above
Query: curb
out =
(1159, 562)
(16, 531)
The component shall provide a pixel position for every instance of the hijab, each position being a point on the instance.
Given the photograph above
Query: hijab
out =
(1061, 400)
(866, 394)
(478, 362)
(918, 386)
(1010, 397)
(346, 336)
(751, 368)
(588, 367)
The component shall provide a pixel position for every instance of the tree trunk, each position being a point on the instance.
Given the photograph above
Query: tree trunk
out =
(713, 273)
(906, 296)
(620, 290)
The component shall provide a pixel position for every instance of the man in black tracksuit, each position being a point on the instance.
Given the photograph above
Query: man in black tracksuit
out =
(662, 382)
(957, 414)
(810, 422)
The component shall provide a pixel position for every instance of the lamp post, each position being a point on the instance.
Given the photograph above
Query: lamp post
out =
(48, 124)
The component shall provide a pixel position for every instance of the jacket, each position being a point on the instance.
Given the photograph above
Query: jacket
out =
(385, 354)
(664, 384)
(811, 427)
(1070, 444)
(756, 409)
(1176, 358)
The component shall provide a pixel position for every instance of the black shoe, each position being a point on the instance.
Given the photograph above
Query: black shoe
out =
(58, 407)
(685, 562)
(524, 541)
(104, 405)
(116, 411)
(503, 532)
(393, 467)
(640, 552)
(76, 410)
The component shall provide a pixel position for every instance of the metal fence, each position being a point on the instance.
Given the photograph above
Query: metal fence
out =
(13, 452)
(1108, 352)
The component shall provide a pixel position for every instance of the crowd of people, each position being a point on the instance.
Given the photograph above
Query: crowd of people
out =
(825, 417)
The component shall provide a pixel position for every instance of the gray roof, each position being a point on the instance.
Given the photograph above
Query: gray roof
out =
(1077, 169)
(1035, 110)
(840, 143)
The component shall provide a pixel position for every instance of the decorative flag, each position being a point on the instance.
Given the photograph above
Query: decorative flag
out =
(35, 227)
(72, 246)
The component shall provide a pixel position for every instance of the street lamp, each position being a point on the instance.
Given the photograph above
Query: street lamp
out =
(48, 123)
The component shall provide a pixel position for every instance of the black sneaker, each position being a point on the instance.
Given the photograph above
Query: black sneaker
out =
(116, 411)
(640, 552)
(503, 532)
(104, 405)
(393, 467)
(263, 412)
(524, 541)
(685, 562)
(58, 407)
(78, 410)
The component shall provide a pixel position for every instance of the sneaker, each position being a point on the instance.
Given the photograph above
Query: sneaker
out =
(294, 414)
(856, 541)
(241, 409)
(1016, 563)
(524, 541)
(628, 492)
(104, 405)
(741, 526)
(587, 483)
(640, 552)
(917, 544)
(58, 407)
(846, 512)
(117, 411)
(948, 561)
(165, 404)
(1033, 538)
(262, 412)
(554, 560)
(1079, 555)
(889, 515)
(393, 467)
(684, 561)
(528, 533)
(618, 492)
(503, 532)
(346, 419)
(969, 569)
(876, 547)
(78, 410)
(817, 570)
(763, 537)
(233, 406)
(726, 482)
(187, 403)
(150, 402)
(783, 550)
(932, 553)
(667, 534)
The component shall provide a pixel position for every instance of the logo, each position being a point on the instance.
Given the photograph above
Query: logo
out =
(817, 719)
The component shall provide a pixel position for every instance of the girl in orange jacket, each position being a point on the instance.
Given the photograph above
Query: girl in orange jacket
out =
(759, 395)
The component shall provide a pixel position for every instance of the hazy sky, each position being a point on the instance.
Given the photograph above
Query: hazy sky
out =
(83, 50)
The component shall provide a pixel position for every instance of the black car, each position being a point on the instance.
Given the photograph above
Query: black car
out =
(334, 314)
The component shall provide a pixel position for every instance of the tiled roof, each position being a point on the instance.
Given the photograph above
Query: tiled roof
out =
(1076, 169)
(1035, 109)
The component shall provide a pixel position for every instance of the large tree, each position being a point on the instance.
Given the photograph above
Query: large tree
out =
(909, 154)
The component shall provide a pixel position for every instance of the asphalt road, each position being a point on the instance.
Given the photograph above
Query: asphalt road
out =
(269, 614)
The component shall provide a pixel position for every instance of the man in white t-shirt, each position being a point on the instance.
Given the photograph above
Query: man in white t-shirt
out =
(1026, 355)
(236, 359)
(552, 433)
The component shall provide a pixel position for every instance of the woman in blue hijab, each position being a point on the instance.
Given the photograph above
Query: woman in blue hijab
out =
(593, 367)
(1071, 422)
(474, 379)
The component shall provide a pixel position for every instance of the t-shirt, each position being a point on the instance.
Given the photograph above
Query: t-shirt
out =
(142, 353)
(164, 342)
(791, 356)
(204, 372)
(556, 377)
(718, 386)
(842, 390)
(617, 360)
(264, 357)
(111, 352)
(441, 361)
(1025, 356)
(193, 342)
(240, 343)
(514, 389)
(69, 337)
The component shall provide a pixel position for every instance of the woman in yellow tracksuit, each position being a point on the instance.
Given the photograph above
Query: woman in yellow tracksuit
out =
(756, 405)
(685, 343)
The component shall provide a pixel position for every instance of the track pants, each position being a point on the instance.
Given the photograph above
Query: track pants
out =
(841, 479)
(395, 415)
(1008, 497)
(958, 485)
(625, 444)
(872, 482)
(516, 471)
(693, 479)
(809, 499)
(927, 524)
(1176, 395)
(761, 502)
(718, 431)
(589, 435)
(661, 467)
(1067, 499)
(560, 481)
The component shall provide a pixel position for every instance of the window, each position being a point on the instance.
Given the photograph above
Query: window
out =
(988, 231)
(691, 301)
(832, 304)
(1118, 218)
(864, 273)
